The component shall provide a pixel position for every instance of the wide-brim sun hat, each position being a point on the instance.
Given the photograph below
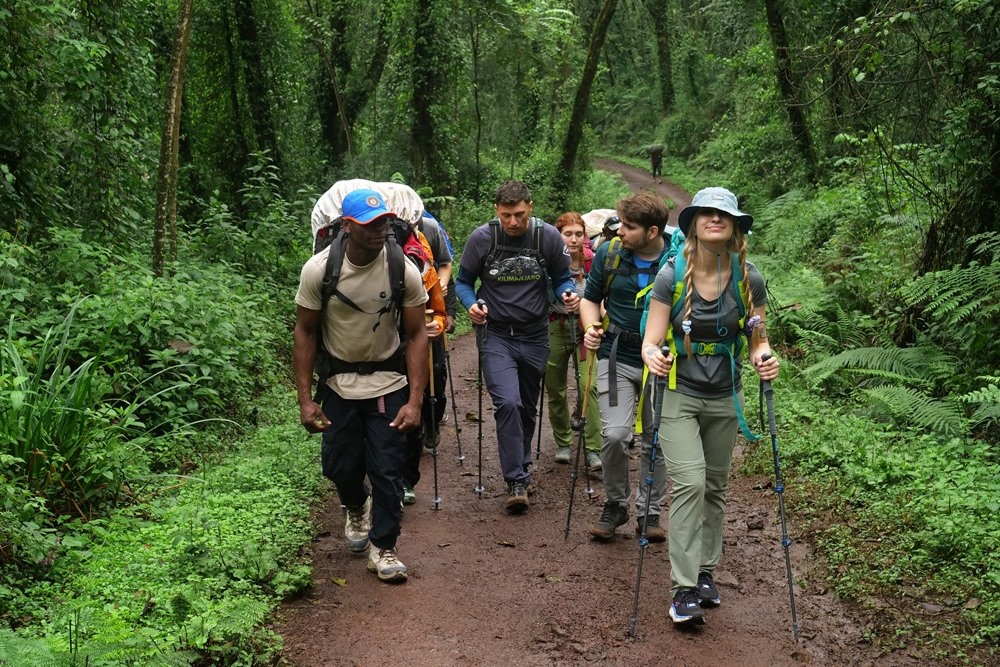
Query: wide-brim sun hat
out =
(720, 199)
(364, 206)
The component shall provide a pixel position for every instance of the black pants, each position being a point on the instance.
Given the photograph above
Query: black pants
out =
(360, 442)
(415, 439)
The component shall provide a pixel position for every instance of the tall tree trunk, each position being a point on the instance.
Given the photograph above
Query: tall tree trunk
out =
(166, 181)
(425, 91)
(258, 92)
(658, 11)
(788, 88)
(574, 134)
(474, 38)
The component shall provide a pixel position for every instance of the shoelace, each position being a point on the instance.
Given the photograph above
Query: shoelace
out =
(357, 519)
(388, 557)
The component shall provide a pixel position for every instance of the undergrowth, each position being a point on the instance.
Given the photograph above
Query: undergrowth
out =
(192, 574)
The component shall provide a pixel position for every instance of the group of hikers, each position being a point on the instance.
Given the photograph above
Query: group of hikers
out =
(642, 302)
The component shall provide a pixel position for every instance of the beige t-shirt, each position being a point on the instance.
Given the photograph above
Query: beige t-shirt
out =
(347, 332)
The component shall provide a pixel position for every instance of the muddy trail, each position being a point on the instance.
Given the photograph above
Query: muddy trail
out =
(486, 588)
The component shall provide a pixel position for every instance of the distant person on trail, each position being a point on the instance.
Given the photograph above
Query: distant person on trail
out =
(363, 406)
(564, 343)
(521, 263)
(621, 276)
(656, 158)
(704, 301)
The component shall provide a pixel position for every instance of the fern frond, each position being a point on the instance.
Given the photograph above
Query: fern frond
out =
(989, 245)
(17, 650)
(956, 295)
(915, 407)
(989, 412)
(174, 659)
(922, 365)
(988, 395)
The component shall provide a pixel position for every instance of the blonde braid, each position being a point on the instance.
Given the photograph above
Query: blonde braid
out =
(741, 244)
(690, 253)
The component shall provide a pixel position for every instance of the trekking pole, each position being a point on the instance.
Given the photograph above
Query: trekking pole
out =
(480, 340)
(579, 449)
(541, 412)
(779, 489)
(454, 407)
(433, 420)
(659, 391)
(572, 326)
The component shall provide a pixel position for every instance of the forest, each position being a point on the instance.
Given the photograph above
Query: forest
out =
(158, 165)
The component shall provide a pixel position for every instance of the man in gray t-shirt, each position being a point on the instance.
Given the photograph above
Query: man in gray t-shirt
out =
(517, 259)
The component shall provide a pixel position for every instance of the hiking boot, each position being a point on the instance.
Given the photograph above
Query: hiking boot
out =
(686, 606)
(563, 455)
(654, 532)
(517, 497)
(612, 516)
(409, 495)
(708, 590)
(359, 522)
(385, 564)
(593, 461)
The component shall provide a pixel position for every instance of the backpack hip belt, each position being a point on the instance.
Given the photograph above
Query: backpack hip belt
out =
(396, 363)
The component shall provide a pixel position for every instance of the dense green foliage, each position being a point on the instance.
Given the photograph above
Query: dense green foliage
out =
(863, 138)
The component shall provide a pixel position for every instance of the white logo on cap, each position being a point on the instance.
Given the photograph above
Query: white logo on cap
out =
(718, 197)
(372, 201)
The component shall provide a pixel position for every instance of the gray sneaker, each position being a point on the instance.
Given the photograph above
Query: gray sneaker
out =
(359, 522)
(612, 516)
(564, 455)
(594, 461)
(385, 564)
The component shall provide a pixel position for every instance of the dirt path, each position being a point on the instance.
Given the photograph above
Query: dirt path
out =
(490, 589)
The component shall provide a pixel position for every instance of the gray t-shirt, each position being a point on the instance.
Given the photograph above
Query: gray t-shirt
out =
(708, 376)
(514, 286)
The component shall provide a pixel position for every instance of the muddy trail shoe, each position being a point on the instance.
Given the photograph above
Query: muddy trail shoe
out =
(385, 564)
(563, 455)
(708, 590)
(686, 607)
(594, 462)
(517, 497)
(654, 532)
(359, 522)
(612, 516)
(409, 495)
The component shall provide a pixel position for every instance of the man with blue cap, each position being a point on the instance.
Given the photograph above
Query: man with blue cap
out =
(347, 317)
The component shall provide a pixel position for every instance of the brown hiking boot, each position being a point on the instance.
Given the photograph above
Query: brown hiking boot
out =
(654, 532)
(612, 516)
(517, 497)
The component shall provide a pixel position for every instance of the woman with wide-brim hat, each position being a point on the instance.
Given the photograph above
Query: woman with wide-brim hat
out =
(706, 302)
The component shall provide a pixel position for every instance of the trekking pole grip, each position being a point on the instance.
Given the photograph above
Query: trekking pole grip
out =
(659, 386)
(769, 396)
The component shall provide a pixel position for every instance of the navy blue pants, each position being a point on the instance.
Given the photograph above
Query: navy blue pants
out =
(513, 368)
(360, 442)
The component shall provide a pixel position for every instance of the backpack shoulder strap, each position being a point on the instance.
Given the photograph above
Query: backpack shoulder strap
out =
(677, 301)
(611, 262)
(742, 289)
(397, 274)
(334, 261)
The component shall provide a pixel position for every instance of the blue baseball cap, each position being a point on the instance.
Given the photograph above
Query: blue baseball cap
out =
(720, 199)
(363, 206)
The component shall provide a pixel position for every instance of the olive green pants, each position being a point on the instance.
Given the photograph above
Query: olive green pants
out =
(697, 437)
(559, 365)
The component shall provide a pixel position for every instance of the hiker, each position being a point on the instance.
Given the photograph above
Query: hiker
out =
(364, 403)
(704, 305)
(518, 259)
(620, 277)
(656, 158)
(565, 342)
(420, 252)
